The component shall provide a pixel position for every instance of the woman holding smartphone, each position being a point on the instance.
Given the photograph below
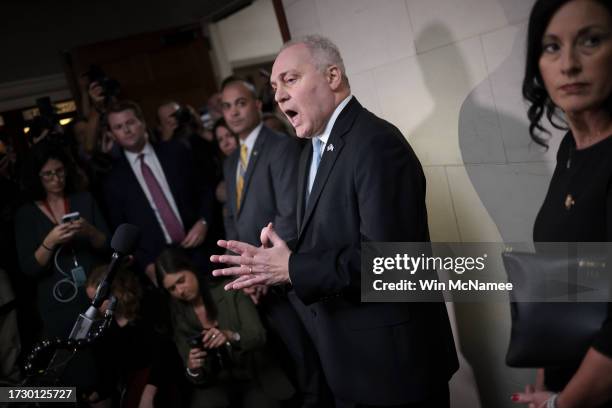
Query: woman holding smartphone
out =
(57, 250)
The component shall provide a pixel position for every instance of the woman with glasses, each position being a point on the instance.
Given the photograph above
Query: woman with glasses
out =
(57, 252)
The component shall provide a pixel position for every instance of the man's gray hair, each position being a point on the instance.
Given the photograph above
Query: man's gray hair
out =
(323, 51)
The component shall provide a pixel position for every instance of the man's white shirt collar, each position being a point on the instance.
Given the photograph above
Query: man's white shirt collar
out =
(323, 137)
(132, 157)
(251, 138)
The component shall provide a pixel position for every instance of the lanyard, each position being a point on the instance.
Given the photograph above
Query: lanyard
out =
(48, 208)
(66, 211)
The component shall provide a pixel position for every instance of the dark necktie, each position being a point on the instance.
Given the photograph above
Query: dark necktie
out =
(168, 217)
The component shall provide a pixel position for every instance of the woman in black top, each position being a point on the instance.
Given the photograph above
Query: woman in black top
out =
(569, 61)
(59, 255)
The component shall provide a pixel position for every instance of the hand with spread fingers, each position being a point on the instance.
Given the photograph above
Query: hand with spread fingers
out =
(266, 265)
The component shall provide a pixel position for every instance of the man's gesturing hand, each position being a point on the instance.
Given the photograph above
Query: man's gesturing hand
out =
(267, 265)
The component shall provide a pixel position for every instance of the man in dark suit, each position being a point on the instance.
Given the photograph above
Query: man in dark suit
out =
(260, 175)
(155, 188)
(360, 181)
(260, 178)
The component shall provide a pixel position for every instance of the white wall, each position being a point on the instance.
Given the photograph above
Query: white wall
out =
(252, 34)
(448, 74)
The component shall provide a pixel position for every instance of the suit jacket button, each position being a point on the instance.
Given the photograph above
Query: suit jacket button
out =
(314, 314)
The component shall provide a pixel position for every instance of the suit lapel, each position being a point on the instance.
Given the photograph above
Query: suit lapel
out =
(333, 149)
(230, 182)
(254, 157)
(131, 180)
(171, 175)
(305, 159)
(327, 163)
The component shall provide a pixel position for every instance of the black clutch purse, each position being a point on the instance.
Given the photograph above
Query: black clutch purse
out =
(551, 333)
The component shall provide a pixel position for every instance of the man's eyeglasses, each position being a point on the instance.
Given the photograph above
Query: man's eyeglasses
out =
(48, 175)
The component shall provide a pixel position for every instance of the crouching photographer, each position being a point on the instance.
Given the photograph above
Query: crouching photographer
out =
(220, 339)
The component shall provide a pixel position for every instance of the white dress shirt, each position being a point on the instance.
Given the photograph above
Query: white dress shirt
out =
(323, 137)
(250, 143)
(151, 160)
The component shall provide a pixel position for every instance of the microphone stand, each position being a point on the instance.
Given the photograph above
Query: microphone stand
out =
(81, 328)
(82, 334)
(65, 349)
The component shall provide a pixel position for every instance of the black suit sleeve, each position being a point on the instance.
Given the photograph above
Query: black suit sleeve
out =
(389, 189)
(114, 200)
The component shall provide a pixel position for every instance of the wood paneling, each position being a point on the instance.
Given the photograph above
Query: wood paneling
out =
(153, 67)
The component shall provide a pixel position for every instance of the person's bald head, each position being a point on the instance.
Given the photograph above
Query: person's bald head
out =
(241, 108)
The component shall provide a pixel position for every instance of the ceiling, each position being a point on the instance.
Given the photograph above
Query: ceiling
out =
(33, 33)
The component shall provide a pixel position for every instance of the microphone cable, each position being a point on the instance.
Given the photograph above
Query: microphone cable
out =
(68, 280)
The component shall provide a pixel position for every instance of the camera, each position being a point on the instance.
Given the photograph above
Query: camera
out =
(110, 87)
(183, 116)
(46, 124)
(217, 359)
(195, 341)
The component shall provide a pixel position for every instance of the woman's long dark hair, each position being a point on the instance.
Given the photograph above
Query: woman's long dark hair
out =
(173, 260)
(222, 123)
(40, 154)
(533, 84)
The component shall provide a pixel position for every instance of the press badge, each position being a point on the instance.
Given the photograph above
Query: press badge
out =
(78, 275)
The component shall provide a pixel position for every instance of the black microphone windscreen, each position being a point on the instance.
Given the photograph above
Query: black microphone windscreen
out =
(125, 239)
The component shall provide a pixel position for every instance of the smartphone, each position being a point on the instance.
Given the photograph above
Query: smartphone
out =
(73, 216)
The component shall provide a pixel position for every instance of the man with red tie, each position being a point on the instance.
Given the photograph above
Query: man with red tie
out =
(155, 188)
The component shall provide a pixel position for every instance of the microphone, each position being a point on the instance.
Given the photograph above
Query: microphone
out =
(123, 243)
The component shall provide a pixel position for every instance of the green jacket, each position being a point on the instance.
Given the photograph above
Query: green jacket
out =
(236, 312)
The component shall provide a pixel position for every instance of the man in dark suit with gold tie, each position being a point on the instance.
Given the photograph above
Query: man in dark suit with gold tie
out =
(360, 181)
